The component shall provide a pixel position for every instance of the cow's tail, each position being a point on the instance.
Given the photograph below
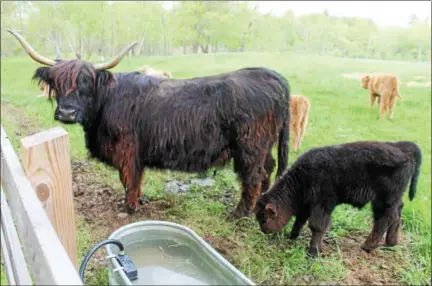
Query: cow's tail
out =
(414, 179)
(283, 144)
(283, 149)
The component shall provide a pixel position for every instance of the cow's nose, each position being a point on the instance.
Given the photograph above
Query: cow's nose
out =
(66, 114)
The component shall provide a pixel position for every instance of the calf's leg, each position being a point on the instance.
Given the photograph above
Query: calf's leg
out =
(372, 98)
(392, 104)
(383, 213)
(318, 223)
(304, 123)
(297, 137)
(392, 235)
(301, 219)
(384, 105)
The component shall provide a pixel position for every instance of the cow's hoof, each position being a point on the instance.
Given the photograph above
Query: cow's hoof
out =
(143, 200)
(239, 213)
(132, 207)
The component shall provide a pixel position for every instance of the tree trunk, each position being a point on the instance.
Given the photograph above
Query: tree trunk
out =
(139, 52)
(79, 40)
(204, 48)
(164, 35)
(419, 51)
(195, 47)
(112, 38)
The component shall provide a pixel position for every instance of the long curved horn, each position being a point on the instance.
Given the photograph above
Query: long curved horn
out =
(32, 53)
(115, 61)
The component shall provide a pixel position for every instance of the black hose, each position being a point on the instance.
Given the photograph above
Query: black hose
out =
(93, 250)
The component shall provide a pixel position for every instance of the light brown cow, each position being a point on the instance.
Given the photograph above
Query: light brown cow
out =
(385, 87)
(152, 72)
(43, 86)
(299, 110)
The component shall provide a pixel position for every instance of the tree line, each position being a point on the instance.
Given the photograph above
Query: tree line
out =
(99, 29)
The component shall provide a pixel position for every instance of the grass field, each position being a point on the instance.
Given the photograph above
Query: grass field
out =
(340, 113)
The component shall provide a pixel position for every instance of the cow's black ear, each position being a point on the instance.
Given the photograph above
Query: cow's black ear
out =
(43, 74)
(103, 77)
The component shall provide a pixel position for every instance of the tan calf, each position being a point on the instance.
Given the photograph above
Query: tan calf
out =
(43, 86)
(385, 87)
(152, 72)
(299, 113)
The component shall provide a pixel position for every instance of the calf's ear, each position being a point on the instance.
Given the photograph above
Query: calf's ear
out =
(271, 209)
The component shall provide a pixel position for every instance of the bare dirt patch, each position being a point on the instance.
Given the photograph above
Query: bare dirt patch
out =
(224, 246)
(103, 210)
(380, 267)
(103, 207)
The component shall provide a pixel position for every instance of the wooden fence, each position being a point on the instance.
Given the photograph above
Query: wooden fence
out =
(38, 240)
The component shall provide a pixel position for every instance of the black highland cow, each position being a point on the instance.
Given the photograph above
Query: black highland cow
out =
(353, 173)
(133, 121)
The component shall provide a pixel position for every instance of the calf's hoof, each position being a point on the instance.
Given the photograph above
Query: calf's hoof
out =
(368, 248)
(293, 235)
(313, 252)
(391, 243)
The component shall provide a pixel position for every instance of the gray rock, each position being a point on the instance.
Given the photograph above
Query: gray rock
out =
(172, 187)
(184, 188)
(176, 187)
(207, 182)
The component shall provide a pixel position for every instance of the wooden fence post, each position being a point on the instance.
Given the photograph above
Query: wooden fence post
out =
(46, 161)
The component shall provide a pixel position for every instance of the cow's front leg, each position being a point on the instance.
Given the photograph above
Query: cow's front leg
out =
(131, 177)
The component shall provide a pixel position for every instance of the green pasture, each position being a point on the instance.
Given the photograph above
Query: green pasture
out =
(339, 113)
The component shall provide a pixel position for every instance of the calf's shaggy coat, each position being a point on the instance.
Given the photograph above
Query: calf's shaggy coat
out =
(353, 173)
(133, 121)
(299, 114)
(385, 87)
